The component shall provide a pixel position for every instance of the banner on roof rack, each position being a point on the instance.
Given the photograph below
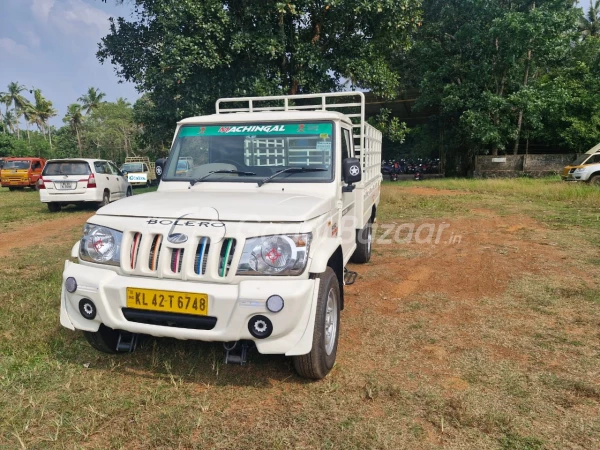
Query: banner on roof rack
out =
(324, 130)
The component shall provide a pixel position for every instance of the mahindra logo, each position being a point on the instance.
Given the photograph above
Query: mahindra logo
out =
(177, 238)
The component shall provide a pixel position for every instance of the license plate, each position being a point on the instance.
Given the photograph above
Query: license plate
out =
(65, 185)
(168, 301)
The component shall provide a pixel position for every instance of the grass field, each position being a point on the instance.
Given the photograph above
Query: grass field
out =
(487, 342)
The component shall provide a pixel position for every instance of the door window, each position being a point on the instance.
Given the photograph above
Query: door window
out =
(346, 144)
(101, 167)
(595, 159)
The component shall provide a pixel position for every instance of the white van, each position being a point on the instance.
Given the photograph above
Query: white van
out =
(74, 181)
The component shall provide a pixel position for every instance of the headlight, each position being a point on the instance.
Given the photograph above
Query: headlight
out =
(100, 245)
(275, 255)
(581, 169)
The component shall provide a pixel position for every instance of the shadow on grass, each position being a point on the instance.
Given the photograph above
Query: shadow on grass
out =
(176, 361)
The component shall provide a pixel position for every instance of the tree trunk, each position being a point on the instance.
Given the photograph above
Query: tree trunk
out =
(79, 142)
(520, 120)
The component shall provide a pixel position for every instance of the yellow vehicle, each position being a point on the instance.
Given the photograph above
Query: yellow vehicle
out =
(139, 170)
(585, 168)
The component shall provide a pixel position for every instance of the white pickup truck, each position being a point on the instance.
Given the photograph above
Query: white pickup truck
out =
(247, 242)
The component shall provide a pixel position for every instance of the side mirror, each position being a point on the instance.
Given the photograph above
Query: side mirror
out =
(351, 173)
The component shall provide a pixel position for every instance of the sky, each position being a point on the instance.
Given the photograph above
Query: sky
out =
(51, 45)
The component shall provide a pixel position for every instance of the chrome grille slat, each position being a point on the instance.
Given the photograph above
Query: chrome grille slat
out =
(200, 258)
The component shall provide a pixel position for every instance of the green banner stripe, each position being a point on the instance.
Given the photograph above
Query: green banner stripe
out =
(258, 130)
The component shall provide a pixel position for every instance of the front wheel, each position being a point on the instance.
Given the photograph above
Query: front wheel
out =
(129, 192)
(317, 364)
(364, 238)
(595, 180)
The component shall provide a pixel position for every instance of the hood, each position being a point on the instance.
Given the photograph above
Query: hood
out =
(227, 206)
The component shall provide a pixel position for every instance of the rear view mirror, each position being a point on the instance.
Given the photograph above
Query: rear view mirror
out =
(351, 170)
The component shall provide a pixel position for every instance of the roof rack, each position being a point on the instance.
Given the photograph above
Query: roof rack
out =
(351, 104)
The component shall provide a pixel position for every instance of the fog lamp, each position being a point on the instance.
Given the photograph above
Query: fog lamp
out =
(71, 285)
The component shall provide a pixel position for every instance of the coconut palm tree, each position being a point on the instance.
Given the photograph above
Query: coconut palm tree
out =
(589, 24)
(91, 99)
(10, 120)
(40, 112)
(74, 118)
(15, 98)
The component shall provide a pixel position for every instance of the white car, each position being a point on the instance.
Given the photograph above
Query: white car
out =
(77, 180)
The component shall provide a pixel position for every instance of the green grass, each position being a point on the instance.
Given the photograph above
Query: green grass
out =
(427, 369)
(24, 206)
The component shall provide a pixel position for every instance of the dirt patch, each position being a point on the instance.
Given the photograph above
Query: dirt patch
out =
(39, 233)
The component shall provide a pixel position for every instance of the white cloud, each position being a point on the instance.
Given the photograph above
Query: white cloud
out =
(31, 36)
(41, 9)
(74, 17)
(10, 47)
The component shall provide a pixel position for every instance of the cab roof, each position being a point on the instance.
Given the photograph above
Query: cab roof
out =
(267, 116)
(594, 149)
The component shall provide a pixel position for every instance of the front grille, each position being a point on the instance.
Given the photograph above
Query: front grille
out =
(176, 259)
(135, 249)
(200, 258)
(227, 251)
(155, 252)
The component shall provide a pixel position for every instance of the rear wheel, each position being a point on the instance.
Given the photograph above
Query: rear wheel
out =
(320, 360)
(595, 180)
(364, 238)
(54, 207)
(105, 200)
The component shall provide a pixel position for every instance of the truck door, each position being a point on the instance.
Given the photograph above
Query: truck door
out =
(347, 218)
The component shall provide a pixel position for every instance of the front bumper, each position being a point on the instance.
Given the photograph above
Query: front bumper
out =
(231, 304)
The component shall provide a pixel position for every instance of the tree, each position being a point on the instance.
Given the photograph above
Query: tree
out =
(589, 24)
(92, 99)
(74, 118)
(14, 97)
(186, 54)
(478, 65)
(111, 131)
(40, 113)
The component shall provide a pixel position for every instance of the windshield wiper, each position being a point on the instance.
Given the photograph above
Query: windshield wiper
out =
(290, 170)
(239, 172)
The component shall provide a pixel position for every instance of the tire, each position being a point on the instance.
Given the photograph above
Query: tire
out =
(319, 362)
(364, 239)
(54, 207)
(105, 200)
(104, 340)
(10, 188)
(129, 192)
(595, 180)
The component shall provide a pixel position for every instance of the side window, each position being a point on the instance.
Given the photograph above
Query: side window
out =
(346, 144)
(114, 169)
(101, 167)
(36, 165)
(145, 168)
(595, 159)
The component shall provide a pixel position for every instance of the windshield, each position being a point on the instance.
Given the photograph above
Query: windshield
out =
(67, 168)
(259, 148)
(17, 165)
(579, 161)
(132, 167)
